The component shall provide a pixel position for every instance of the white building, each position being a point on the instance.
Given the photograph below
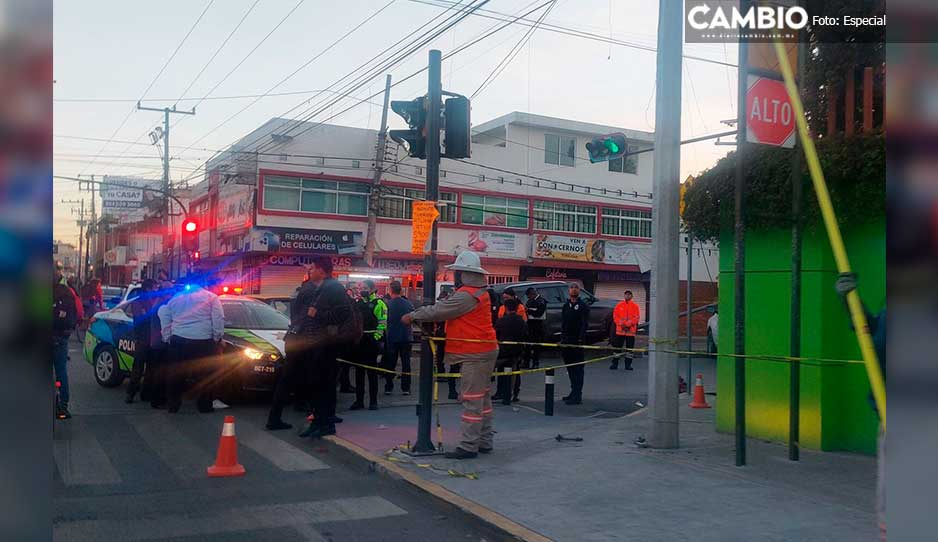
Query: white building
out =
(528, 200)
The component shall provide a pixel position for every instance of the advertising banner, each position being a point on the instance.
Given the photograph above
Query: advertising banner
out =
(234, 207)
(562, 247)
(125, 200)
(300, 241)
(492, 242)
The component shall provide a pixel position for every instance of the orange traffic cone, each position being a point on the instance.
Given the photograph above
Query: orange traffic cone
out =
(226, 461)
(699, 400)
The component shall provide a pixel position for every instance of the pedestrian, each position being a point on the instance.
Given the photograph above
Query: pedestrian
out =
(64, 320)
(877, 326)
(193, 324)
(536, 307)
(509, 293)
(375, 321)
(93, 297)
(141, 309)
(574, 322)
(510, 327)
(626, 317)
(467, 314)
(294, 375)
(345, 370)
(155, 372)
(398, 345)
(333, 325)
(80, 317)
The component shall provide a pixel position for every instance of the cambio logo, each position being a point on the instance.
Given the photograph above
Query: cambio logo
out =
(756, 18)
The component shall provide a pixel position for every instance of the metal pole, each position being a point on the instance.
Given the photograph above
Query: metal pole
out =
(424, 444)
(794, 375)
(549, 392)
(81, 239)
(739, 247)
(665, 274)
(373, 198)
(690, 282)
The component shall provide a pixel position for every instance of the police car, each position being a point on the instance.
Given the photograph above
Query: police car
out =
(253, 345)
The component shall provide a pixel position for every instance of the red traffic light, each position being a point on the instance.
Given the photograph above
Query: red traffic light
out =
(190, 226)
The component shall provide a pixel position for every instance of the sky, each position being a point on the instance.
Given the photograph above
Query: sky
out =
(115, 50)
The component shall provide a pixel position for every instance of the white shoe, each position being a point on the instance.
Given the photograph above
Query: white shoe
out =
(218, 405)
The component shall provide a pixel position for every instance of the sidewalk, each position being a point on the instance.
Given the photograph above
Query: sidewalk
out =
(605, 488)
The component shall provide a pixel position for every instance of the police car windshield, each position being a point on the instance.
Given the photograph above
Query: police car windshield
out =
(253, 315)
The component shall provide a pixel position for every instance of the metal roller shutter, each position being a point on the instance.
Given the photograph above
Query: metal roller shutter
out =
(280, 280)
(614, 290)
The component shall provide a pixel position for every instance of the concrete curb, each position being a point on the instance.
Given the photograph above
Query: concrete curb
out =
(383, 466)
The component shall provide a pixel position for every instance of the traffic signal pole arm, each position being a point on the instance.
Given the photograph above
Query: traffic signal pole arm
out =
(185, 213)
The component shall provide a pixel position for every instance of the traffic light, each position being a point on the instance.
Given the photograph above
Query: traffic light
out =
(456, 126)
(607, 147)
(190, 235)
(414, 112)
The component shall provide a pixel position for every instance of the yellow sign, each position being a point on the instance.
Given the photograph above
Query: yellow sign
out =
(424, 214)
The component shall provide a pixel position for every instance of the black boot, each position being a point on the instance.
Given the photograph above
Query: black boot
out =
(278, 425)
(357, 405)
(459, 453)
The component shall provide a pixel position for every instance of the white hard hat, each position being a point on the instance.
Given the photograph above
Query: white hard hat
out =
(468, 260)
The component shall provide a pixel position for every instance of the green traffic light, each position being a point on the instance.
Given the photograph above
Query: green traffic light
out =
(611, 145)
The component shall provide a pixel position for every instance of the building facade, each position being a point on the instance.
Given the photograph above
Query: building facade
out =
(528, 201)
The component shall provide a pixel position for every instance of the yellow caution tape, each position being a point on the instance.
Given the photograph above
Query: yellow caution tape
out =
(860, 325)
(389, 455)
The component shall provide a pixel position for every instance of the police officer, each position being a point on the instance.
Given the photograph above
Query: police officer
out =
(537, 316)
(374, 313)
(468, 315)
(574, 322)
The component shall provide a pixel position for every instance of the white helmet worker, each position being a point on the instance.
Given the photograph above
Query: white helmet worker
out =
(469, 261)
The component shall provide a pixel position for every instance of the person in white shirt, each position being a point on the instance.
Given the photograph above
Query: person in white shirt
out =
(193, 323)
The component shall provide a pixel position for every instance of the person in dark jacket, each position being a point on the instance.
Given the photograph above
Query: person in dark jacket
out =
(328, 312)
(375, 322)
(294, 375)
(64, 320)
(155, 373)
(537, 317)
(573, 326)
(398, 344)
(141, 309)
(510, 327)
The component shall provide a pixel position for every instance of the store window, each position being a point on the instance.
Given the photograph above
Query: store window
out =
(559, 150)
(570, 217)
(494, 211)
(626, 164)
(396, 203)
(315, 196)
(627, 223)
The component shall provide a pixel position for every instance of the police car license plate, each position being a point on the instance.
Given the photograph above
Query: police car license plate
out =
(264, 369)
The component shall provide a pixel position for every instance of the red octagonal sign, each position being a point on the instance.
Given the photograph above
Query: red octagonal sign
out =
(770, 118)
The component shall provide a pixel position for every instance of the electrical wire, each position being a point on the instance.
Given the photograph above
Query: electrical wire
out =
(152, 82)
(200, 99)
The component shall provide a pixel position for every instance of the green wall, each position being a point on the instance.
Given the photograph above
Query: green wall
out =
(835, 413)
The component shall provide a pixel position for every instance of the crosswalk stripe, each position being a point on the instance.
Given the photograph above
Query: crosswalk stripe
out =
(175, 449)
(282, 454)
(80, 458)
(245, 518)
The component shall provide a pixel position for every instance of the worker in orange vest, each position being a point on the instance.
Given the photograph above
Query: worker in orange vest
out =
(467, 313)
(509, 293)
(626, 317)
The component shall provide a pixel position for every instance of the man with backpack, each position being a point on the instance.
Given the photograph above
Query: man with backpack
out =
(64, 320)
(374, 313)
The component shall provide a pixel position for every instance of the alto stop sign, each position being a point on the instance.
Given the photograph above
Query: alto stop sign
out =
(770, 118)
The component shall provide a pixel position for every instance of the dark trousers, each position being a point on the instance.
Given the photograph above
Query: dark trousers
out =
(154, 378)
(192, 360)
(532, 353)
(508, 386)
(618, 341)
(345, 379)
(366, 355)
(324, 369)
(141, 362)
(292, 377)
(395, 351)
(60, 366)
(574, 355)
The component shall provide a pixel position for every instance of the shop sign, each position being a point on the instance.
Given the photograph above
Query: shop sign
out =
(491, 242)
(338, 262)
(562, 247)
(301, 241)
(234, 207)
(398, 266)
(554, 274)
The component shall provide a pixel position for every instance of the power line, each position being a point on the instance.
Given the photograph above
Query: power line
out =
(573, 32)
(203, 98)
(162, 69)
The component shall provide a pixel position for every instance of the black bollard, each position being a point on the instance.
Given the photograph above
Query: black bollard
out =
(549, 392)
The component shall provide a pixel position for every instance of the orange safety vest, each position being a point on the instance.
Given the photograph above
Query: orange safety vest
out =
(475, 324)
(626, 315)
(522, 312)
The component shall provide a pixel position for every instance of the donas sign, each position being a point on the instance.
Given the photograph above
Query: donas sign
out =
(770, 118)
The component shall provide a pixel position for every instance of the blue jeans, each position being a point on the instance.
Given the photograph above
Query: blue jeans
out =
(60, 365)
(395, 350)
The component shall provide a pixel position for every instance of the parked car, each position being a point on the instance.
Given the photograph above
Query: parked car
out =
(253, 345)
(556, 293)
(712, 331)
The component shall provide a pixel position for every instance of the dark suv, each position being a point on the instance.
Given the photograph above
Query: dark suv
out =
(556, 293)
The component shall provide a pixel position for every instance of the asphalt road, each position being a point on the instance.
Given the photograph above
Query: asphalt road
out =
(127, 472)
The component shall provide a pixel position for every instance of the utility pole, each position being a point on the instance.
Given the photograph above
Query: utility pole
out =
(794, 367)
(690, 327)
(167, 189)
(373, 198)
(81, 230)
(424, 444)
(92, 228)
(739, 256)
(662, 375)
